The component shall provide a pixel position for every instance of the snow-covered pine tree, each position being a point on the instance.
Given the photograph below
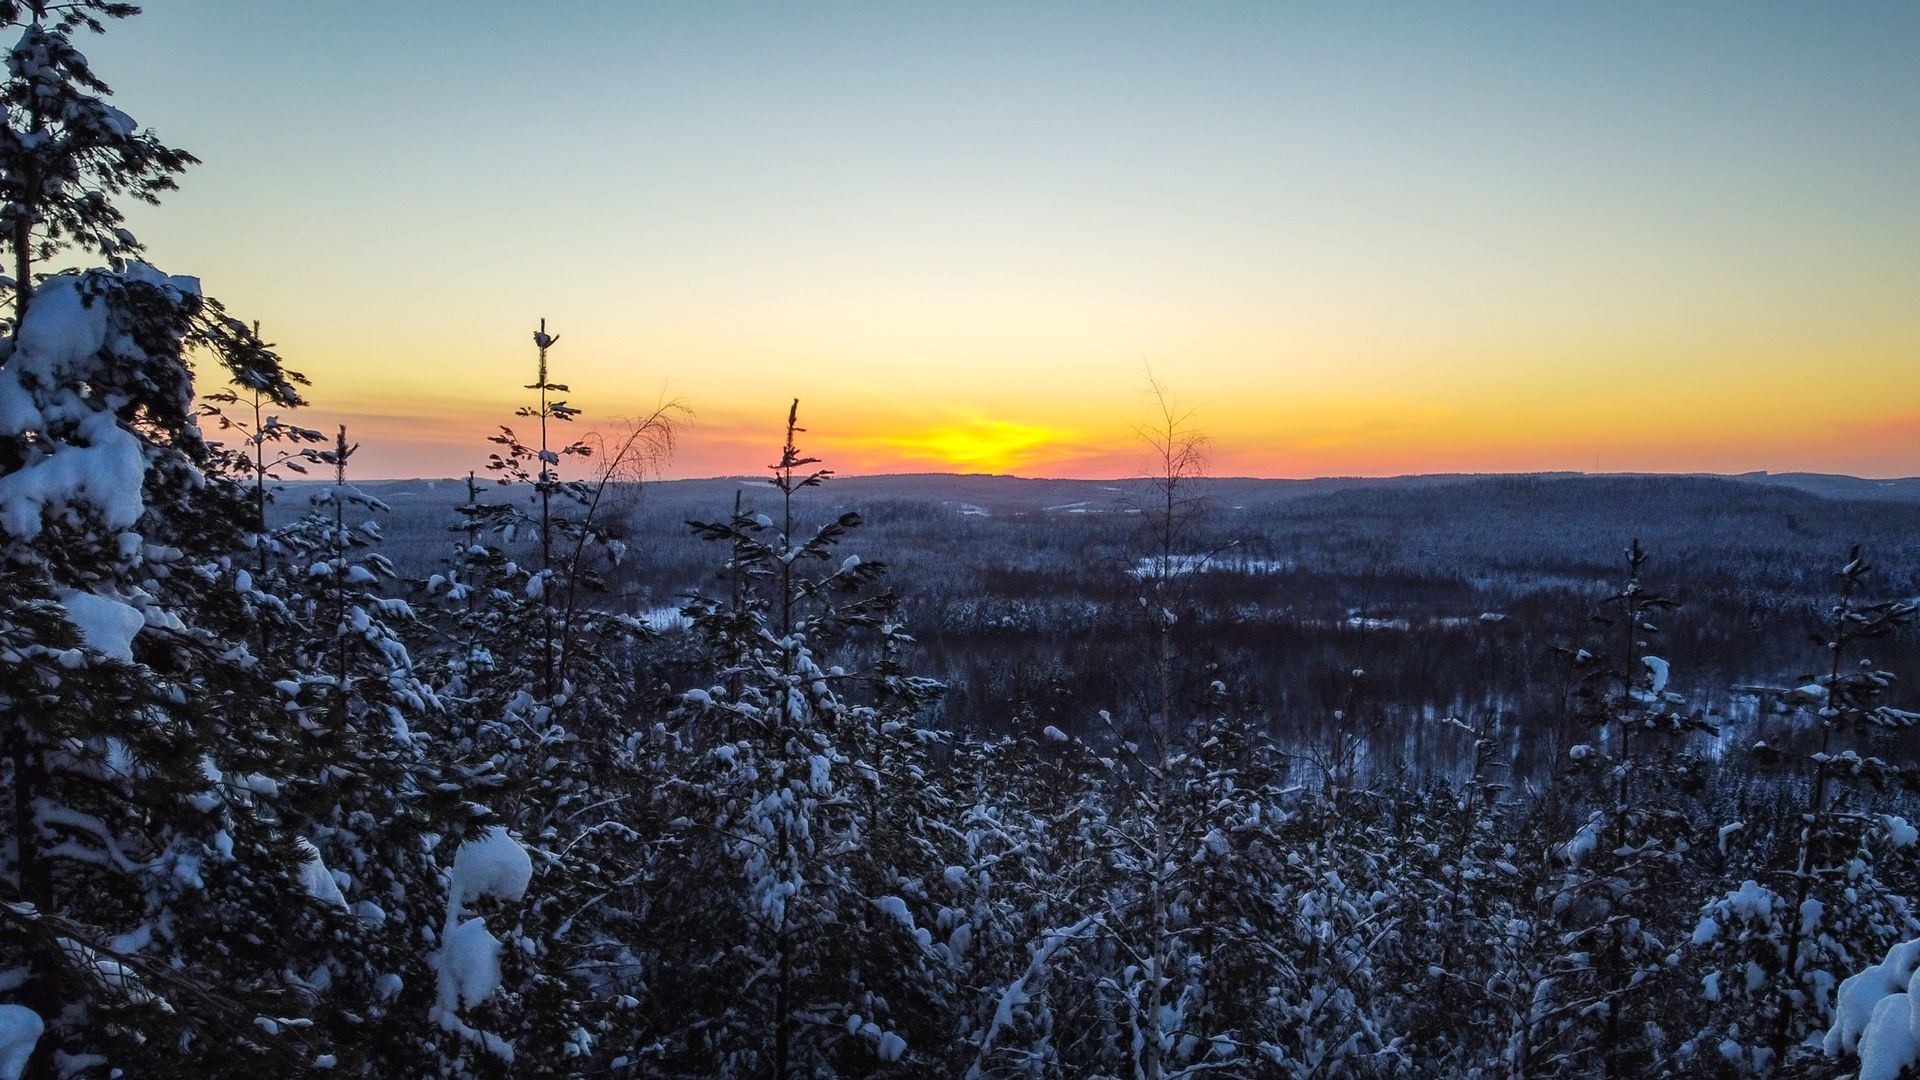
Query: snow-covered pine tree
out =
(486, 625)
(770, 951)
(1801, 904)
(1606, 993)
(1852, 704)
(358, 687)
(367, 785)
(1281, 908)
(1016, 899)
(1278, 914)
(1041, 891)
(140, 883)
(1464, 968)
(544, 690)
(1347, 904)
(545, 674)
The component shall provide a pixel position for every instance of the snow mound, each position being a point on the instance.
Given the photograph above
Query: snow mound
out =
(1889, 1044)
(1874, 1015)
(1658, 671)
(1584, 843)
(468, 962)
(83, 459)
(1899, 833)
(20, 1029)
(107, 626)
(494, 865)
(317, 879)
(104, 472)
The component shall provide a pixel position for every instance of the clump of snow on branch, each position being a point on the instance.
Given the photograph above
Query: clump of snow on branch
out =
(83, 459)
(1876, 1017)
(20, 1029)
(495, 865)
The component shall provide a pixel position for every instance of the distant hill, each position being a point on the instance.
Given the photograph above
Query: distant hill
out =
(1836, 486)
(1017, 494)
(1000, 495)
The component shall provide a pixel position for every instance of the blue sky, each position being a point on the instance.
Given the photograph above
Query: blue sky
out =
(1394, 232)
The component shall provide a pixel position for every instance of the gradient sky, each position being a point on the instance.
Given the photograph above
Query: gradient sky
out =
(1359, 239)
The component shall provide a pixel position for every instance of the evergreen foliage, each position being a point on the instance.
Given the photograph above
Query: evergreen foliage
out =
(272, 809)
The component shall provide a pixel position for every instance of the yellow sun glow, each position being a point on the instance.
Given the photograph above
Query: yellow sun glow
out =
(979, 445)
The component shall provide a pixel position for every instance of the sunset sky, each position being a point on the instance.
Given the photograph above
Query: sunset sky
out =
(1359, 239)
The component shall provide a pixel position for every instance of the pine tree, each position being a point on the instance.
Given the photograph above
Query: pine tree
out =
(1807, 899)
(784, 958)
(150, 865)
(536, 466)
(544, 671)
(269, 446)
(1467, 959)
(545, 687)
(140, 875)
(1609, 971)
(370, 788)
(65, 153)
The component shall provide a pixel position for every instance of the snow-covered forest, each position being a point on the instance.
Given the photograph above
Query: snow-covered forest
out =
(274, 808)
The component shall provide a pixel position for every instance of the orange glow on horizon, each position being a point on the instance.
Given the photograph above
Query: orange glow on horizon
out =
(1351, 437)
(1513, 239)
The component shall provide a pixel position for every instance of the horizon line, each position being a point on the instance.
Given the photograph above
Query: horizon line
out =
(1748, 473)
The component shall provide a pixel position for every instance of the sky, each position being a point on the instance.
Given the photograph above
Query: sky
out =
(1351, 238)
